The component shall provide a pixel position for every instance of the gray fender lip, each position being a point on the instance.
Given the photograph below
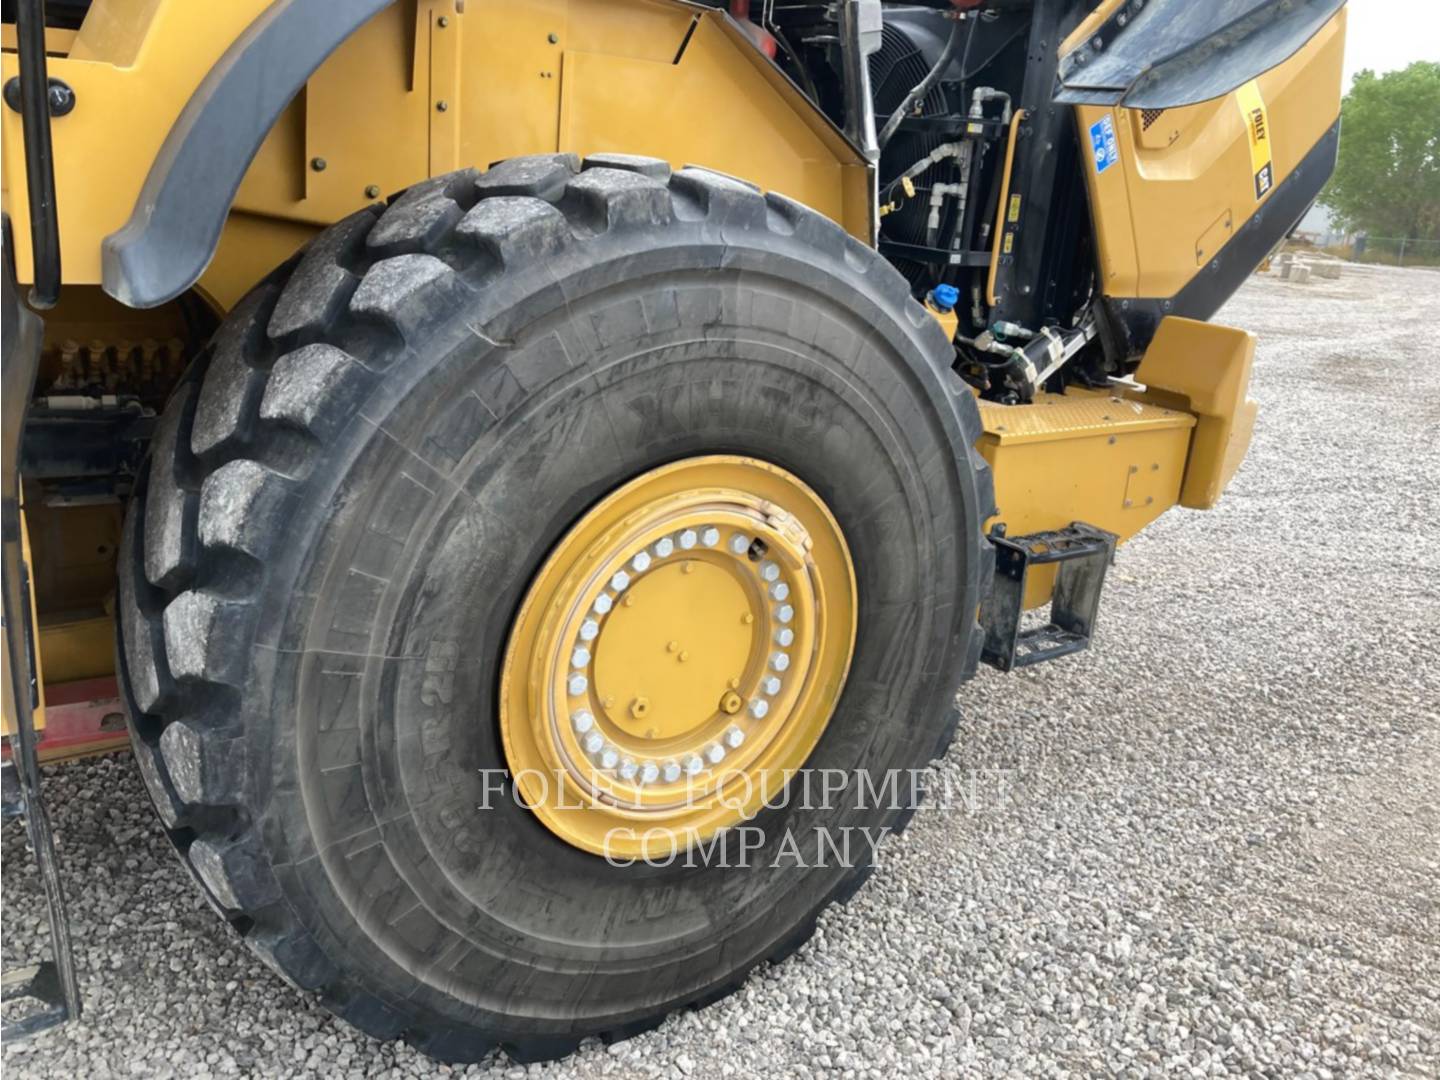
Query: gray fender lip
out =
(175, 226)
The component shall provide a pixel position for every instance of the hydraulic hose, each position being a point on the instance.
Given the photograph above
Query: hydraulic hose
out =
(925, 85)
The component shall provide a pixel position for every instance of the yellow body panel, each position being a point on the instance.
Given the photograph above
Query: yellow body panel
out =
(1204, 368)
(1186, 178)
(420, 90)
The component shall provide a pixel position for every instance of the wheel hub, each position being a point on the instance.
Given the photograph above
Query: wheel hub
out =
(677, 656)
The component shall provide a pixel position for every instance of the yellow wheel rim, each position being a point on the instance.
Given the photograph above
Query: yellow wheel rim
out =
(678, 656)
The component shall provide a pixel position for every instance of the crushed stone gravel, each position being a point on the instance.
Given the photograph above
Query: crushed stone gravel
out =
(1207, 847)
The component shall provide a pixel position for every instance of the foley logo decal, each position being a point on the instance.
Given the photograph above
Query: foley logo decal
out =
(1257, 129)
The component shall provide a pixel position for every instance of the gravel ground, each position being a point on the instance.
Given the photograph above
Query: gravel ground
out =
(1209, 846)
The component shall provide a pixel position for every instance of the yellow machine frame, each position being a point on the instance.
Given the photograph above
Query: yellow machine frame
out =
(428, 86)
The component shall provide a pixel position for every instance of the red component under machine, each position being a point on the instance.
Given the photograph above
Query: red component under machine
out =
(763, 39)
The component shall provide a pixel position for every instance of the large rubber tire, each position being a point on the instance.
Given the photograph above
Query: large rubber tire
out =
(348, 495)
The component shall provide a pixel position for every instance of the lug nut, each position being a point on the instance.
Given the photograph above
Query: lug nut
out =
(715, 753)
(693, 764)
(627, 769)
(610, 758)
(779, 591)
(594, 742)
(577, 684)
(664, 547)
(672, 772)
(770, 684)
(688, 539)
(710, 537)
(758, 708)
(580, 658)
(785, 613)
(739, 544)
(588, 629)
(621, 581)
(784, 637)
(649, 772)
(641, 562)
(582, 721)
(779, 661)
(769, 571)
(603, 603)
(734, 737)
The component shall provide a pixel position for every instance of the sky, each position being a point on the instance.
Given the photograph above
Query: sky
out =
(1387, 34)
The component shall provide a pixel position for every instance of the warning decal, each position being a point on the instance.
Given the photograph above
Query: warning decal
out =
(1104, 143)
(1257, 129)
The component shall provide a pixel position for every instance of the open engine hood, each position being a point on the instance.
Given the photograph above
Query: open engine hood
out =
(1164, 54)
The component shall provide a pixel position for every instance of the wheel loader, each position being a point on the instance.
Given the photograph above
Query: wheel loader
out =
(496, 455)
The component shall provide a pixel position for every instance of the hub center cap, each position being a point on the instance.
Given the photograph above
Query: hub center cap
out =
(686, 640)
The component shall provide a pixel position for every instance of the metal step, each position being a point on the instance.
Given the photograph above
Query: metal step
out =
(1081, 554)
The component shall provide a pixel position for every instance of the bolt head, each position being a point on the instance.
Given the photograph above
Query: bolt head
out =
(770, 684)
(641, 562)
(715, 753)
(779, 661)
(710, 537)
(734, 737)
(319, 164)
(620, 581)
(784, 637)
(693, 764)
(588, 629)
(580, 658)
(610, 758)
(594, 742)
(628, 769)
(785, 613)
(688, 539)
(649, 772)
(603, 603)
(739, 544)
(577, 684)
(672, 772)
(372, 191)
(582, 721)
(758, 708)
(769, 571)
(664, 547)
(779, 591)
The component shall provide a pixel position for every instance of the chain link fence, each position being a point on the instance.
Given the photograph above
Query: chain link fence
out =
(1390, 250)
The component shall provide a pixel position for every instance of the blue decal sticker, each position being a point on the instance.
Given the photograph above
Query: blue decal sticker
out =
(1103, 142)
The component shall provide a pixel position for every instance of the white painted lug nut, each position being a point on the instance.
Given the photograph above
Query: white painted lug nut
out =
(649, 772)
(577, 684)
(641, 562)
(693, 764)
(580, 658)
(594, 742)
(758, 708)
(609, 759)
(785, 613)
(621, 581)
(779, 591)
(769, 571)
(784, 637)
(672, 772)
(710, 537)
(627, 769)
(715, 753)
(779, 661)
(688, 539)
(664, 547)
(739, 543)
(734, 737)
(588, 629)
(582, 721)
(603, 603)
(770, 684)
